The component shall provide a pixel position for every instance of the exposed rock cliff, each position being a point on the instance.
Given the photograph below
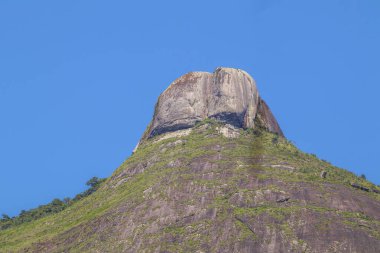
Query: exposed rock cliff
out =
(228, 95)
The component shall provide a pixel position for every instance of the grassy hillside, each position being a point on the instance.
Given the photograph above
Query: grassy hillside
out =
(205, 191)
(55, 206)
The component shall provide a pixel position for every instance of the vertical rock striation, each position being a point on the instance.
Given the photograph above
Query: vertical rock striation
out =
(228, 95)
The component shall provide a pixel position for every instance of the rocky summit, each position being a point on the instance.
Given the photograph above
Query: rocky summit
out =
(213, 172)
(228, 95)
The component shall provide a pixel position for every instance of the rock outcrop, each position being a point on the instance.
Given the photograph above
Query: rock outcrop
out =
(228, 95)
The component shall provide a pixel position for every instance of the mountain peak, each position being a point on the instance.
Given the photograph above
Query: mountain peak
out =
(229, 95)
(211, 187)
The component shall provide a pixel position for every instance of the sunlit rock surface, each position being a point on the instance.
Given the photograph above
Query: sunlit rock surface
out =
(228, 95)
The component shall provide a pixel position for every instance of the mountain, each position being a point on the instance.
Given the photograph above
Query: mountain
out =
(213, 172)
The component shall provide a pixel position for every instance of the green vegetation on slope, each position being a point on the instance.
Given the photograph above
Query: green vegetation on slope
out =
(53, 207)
(159, 166)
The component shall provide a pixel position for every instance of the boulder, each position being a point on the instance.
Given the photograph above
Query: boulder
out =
(323, 174)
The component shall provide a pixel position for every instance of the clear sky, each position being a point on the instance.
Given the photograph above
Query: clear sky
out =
(79, 80)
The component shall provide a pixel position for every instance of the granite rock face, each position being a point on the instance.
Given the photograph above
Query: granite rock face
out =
(228, 95)
(266, 118)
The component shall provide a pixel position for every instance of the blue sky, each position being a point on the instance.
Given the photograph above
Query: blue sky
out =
(79, 80)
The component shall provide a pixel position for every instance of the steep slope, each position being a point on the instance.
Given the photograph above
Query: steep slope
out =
(213, 186)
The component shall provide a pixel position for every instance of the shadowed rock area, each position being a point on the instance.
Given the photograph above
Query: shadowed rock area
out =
(228, 95)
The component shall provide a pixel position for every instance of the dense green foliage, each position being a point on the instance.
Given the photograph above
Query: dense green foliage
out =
(55, 206)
